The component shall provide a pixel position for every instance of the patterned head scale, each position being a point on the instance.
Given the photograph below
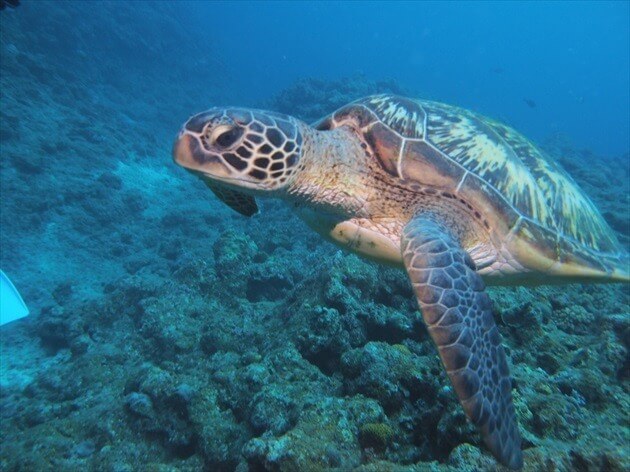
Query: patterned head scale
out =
(245, 148)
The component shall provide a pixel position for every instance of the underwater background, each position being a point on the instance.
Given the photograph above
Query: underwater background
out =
(169, 333)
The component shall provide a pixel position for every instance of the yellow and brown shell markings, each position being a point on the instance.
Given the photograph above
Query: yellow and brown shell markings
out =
(544, 219)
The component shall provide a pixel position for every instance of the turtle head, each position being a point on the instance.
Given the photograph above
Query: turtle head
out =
(240, 149)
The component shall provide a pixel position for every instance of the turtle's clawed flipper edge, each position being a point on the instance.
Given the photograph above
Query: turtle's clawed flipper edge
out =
(458, 315)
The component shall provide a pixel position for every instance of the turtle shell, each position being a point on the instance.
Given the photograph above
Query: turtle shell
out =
(535, 208)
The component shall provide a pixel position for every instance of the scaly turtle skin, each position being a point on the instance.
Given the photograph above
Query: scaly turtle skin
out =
(454, 198)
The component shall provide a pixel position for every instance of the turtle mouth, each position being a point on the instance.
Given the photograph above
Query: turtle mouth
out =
(189, 154)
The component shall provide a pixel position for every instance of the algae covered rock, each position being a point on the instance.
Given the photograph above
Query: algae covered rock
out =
(389, 374)
(273, 411)
(233, 254)
(269, 280)
(325, 437)
(468, 458)
(183, 346)
(326, 338)
(157, 406)
(219, 436)
(140, 404)
(375, 435)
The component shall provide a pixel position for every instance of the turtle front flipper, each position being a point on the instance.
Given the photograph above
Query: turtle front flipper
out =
(458, 314)
(237, 201)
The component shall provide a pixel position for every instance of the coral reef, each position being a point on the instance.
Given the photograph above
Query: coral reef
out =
(311, 99)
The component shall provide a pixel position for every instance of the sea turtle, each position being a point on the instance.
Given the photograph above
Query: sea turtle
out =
(454, 198)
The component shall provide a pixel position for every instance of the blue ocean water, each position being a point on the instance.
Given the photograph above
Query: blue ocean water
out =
(570, 58)
(169, 332)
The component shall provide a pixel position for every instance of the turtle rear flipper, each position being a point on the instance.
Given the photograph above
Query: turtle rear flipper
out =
(458, 314)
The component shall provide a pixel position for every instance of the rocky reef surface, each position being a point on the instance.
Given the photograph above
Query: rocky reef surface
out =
(169, 333)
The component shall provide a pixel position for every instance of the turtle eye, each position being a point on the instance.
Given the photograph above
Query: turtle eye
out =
(226, 136)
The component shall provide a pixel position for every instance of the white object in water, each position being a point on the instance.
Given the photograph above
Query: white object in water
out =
(12, 306)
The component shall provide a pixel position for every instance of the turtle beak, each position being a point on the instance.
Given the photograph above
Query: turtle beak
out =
(188, 153)
(181, 149)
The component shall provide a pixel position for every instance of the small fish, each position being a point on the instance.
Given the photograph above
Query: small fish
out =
(530, 103)
(497, 70)
(9, 3)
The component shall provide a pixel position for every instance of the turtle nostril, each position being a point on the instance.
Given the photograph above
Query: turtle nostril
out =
(228, 137)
